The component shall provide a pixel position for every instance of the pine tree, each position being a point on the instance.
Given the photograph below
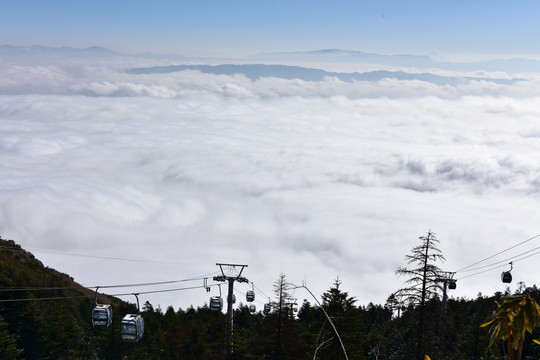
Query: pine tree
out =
(337, 302)
(281, 287)
(340, 308)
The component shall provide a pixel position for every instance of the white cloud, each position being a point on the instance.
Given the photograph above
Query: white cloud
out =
(313, 179)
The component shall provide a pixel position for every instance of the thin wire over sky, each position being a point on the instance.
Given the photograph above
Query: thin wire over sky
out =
(500, 252)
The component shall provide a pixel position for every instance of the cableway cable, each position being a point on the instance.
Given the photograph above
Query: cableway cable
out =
(91, 296)
(260, 291)
(155, 283)
(152, 283)
(94, 256)
(197, 278)
(505, 261)
(500, 252)
(498, 265)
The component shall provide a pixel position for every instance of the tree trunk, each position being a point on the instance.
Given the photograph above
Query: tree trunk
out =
(509, 350)
(520, 348)
(420, 332)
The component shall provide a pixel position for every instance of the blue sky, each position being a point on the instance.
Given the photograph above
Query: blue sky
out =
(465, 29)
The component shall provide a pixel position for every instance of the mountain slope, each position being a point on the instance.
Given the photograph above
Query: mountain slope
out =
(43, 311)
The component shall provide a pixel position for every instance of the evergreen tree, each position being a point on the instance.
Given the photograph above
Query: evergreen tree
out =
(340, 308)
(287, 334)
(337, 302)
(281, 290)
(8, 343)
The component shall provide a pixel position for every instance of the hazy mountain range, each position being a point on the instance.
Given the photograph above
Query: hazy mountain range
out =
(515, 65)
(256, 71)
(9, 50)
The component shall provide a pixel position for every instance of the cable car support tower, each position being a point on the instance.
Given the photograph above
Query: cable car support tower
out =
(231, 277)
(448, 283)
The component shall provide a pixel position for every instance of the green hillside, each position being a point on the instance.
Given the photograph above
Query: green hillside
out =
(45, 314)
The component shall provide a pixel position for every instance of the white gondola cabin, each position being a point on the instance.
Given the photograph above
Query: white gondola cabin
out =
(132, 328)
(216, 303)
(250, 296)
(102, 315)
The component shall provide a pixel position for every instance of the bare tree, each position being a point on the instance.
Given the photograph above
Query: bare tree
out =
(422, 282)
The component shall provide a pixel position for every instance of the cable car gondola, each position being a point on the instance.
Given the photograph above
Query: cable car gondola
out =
(252, 308)
(506, 276)
(132, 326)
(216, 303)
(452, 284)
(101, 314)
(250, 294)
(267, 308)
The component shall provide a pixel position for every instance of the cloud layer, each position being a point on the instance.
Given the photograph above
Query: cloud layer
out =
(315, 179)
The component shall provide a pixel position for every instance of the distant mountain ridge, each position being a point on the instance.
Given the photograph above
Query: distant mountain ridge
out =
(353, 56)
(515, 65)
(9, 50)
(257, 71)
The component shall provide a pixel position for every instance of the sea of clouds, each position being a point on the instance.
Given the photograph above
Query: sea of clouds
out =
(120, 178)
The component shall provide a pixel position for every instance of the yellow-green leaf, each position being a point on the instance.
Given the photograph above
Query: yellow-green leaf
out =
(513, 318)
(487, 323)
